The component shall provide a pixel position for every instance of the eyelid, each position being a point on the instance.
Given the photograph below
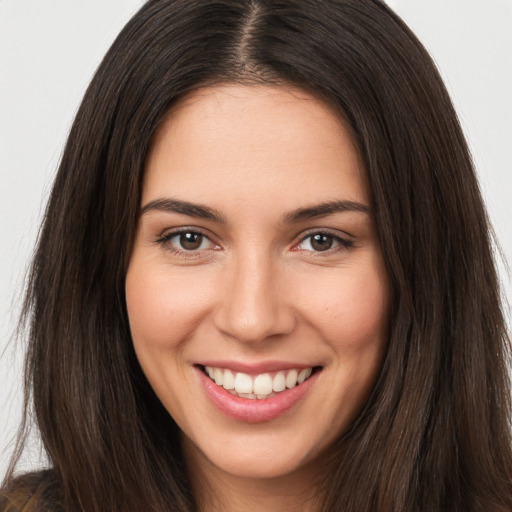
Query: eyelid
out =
(345, 242)
(167, 235)
(169, 232)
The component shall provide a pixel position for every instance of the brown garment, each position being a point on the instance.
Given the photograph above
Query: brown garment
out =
(31, 492)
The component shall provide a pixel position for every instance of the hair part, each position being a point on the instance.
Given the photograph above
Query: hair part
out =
(434, 435)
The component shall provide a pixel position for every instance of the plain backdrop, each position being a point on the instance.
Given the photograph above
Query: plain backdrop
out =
(50, 49)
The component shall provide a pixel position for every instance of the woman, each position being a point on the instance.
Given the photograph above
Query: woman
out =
(264, 279)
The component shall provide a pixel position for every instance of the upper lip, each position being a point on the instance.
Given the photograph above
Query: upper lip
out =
(256, 367)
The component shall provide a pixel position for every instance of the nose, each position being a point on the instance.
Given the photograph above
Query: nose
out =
(253, 305)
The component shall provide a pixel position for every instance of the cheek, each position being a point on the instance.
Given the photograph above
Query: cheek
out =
(362, 311)
(352, 309)
(163, 310)
(162, 307)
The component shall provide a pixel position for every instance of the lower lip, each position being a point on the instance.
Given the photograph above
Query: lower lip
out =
(255, 410)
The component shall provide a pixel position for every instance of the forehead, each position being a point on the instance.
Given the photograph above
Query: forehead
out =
(237, 140)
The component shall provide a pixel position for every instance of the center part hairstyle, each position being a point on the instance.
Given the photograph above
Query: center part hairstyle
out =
(434, 434)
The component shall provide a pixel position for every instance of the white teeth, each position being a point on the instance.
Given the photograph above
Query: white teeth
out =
(218, 375)
(303, 375)
(279, 382)
(229, 380)
(243, 383)
(252, 396)
(261, 386)
(291, 378)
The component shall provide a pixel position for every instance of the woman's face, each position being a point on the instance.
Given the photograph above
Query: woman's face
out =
(256, 261)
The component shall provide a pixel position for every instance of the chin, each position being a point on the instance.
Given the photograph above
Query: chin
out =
(256, 457)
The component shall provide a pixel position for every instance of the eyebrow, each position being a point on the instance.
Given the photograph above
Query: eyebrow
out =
(185, 208)
(325, 209)
(298, 215)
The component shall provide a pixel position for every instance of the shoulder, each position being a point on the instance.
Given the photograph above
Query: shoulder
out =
(30, 492)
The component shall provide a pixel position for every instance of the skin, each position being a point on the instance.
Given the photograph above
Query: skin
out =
(257, 289)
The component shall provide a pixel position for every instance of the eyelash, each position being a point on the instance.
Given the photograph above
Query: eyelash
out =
(168, 236)
(344, 244)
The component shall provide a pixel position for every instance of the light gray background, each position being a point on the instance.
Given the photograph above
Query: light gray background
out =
(50, 49)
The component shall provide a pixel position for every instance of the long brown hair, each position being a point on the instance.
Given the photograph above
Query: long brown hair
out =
(434, 434)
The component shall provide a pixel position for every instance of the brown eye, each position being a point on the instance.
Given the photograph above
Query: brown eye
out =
(191, 241)
(321, 242)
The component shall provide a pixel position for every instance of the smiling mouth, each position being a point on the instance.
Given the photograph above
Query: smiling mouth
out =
(260, 386)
